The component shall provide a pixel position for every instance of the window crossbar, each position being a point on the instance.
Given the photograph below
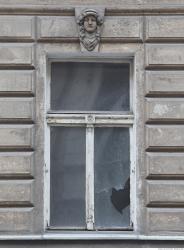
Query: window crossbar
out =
(86, 119)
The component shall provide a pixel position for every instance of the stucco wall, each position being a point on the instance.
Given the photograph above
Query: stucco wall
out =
(151, 31)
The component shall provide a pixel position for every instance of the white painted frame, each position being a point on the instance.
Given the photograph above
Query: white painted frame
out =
(99, 119)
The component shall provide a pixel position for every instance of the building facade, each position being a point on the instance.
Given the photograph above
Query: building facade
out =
(54, 145)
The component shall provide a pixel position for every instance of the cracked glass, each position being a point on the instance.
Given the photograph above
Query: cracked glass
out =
(112, 178)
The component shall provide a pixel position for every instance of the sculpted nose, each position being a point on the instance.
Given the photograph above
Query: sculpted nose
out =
(90, 22)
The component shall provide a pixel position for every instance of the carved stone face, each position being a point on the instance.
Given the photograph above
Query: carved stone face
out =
(90, 23)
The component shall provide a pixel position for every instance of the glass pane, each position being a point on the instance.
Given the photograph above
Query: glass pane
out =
(67, 203)
(89, 86)
(112, 177)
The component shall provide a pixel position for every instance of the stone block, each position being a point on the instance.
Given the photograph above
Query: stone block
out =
(164, 163)
(164, 108)
(164, 28)
(164, 135)
(17, 81)
(166, 220)
(16, 192)
(17, 27)
(16, 135)
(16, 55)
(16, 220)
(164, 82)
(17, 163)
(14, 108)
(164, 192)
(171, 55)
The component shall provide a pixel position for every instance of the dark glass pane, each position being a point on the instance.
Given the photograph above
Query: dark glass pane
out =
(67, 194)
(89, 86)
(112, 173)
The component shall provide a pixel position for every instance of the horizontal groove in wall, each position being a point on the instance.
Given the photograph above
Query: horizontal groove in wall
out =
(12, 204)
(16, 40)
(16, 121)
(165, 149)
(165, 121)
(152, 10)
(102, 40)
(16, 149)
(16, 176)
(125, 12)
(122, 40)
(165, 67)
(33, 10)
(162, 94)
(16, 94)
(58, 40)
(164, 40)
(144, 13)
(158, 177)
(165, 205)
(57, 10)
(166, 210)
(16, 67)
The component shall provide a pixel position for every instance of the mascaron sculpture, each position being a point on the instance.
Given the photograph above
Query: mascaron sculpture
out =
(89, 25)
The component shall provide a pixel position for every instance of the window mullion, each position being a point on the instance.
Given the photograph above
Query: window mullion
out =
(90, 177)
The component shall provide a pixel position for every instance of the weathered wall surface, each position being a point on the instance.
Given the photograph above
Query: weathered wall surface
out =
(31, 29)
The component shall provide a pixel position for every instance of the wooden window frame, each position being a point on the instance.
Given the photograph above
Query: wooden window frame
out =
(90, 120)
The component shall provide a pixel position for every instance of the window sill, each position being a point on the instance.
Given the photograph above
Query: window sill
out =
(90, 236)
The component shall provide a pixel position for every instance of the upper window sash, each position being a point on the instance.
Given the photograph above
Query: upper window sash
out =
(104, 59)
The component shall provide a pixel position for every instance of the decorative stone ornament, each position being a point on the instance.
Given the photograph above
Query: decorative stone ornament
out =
(90, 23)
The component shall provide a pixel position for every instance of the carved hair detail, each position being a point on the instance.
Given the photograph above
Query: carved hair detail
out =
(89, 12)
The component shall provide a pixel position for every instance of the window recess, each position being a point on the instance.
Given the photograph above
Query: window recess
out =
(90, 127)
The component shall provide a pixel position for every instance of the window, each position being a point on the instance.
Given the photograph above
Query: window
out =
(89, 128)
